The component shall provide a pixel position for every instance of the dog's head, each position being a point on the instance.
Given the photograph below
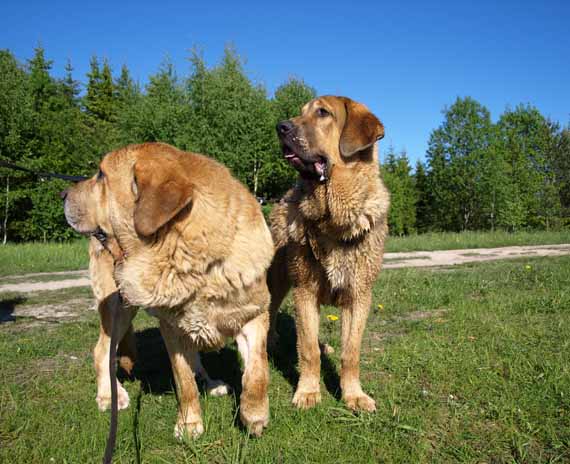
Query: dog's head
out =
(136, 191)
(330, 130)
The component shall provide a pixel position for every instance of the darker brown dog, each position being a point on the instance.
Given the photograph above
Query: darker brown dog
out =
(329, 232)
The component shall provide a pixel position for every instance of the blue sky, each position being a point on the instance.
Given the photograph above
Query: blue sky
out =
(405, 60)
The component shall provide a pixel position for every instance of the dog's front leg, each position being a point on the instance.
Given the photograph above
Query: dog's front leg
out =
(123, 318)
(189, 422)
(308, 392)
(354, 315)
(254, 401)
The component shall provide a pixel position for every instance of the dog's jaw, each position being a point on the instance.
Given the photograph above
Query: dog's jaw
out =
(311, 166)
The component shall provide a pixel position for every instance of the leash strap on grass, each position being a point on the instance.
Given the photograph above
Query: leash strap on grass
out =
(112, 438)
(6, 164)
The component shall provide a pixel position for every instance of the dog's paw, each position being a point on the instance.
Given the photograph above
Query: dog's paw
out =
(306, 399)
(360, 402)
(188, 430)
(256, 428)
(256, 421)
(127, 363)
(217, 388)
(104, 398)
(326, 348)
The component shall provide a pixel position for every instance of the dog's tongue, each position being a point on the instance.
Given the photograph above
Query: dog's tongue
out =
(320, 169)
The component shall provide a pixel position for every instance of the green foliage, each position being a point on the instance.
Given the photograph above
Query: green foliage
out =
(514, 174)
(528, 142)
(421, 194)
(457, 154)
(46, 125)
(403, 196)
(483, 175)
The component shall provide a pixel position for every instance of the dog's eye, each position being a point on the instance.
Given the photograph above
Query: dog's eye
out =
(100, 175)
(322, 113)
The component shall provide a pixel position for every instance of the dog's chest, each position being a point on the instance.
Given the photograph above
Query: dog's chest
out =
(338, 259)
(196, 323)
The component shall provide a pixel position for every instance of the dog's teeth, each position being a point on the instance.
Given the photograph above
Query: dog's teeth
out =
(322, 177)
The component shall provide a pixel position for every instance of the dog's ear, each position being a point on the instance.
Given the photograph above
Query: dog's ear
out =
(361, 128)
(162, 190)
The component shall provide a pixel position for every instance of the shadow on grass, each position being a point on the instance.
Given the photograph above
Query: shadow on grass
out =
(153, 369)
(285, 357)
(7, 307)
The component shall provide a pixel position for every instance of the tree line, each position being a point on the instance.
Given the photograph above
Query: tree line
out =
(477, 175)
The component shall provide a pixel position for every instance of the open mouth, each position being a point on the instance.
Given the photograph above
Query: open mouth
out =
(316, 166)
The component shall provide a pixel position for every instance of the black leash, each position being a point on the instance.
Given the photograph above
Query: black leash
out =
(112, 437)
(6, 164)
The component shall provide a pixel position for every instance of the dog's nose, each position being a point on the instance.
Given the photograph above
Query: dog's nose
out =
(284, 127)
(63, 194)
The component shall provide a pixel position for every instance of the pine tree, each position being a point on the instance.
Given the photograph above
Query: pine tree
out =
(69, 85)
(396, 172)
(91, 100)
(422, 206)
(100, 101)
(107, 109)
(126, 89)
(41, 84)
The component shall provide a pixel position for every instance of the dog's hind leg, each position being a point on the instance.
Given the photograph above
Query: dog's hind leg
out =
(127, 349)
(213, 387)
(123, 318)
(279, 284)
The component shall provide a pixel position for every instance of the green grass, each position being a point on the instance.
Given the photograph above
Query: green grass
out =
(43, 257)
(459, 240)
(470, 365)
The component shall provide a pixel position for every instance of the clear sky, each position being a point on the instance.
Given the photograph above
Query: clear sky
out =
(405, 60)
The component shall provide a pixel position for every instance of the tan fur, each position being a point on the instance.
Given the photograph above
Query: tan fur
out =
(329, 238)
(197, 250)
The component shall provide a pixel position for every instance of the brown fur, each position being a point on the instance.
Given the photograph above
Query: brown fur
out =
(329, 236)
(196, 251)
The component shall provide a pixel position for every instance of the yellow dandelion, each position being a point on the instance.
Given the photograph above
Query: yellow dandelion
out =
(332, 317)
(380, 307)
(528, 267)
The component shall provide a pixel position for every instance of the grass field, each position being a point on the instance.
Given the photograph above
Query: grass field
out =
(466, 365)
(51, 257)
(463, 240)
(43, 257)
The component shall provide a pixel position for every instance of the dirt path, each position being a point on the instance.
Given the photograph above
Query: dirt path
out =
(28, 283)
(453, 257)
